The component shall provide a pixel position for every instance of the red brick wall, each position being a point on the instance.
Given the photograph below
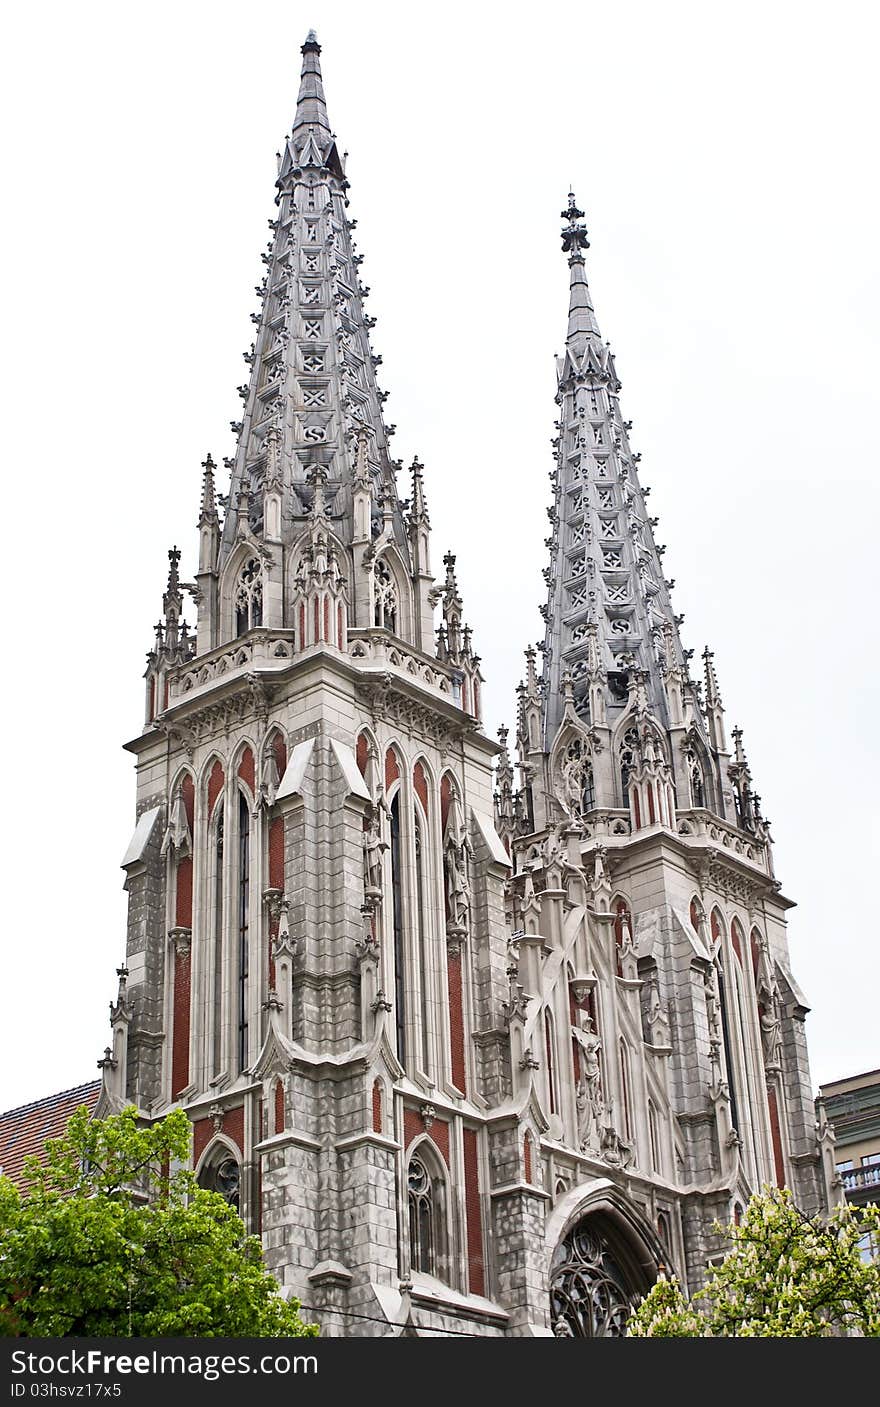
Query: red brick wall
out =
(438, 1132)
(363, 753)
(188, 792)
(246, 768)
(736, 938)
(279, 748)
(776, 1135)
(445, 798)
(184, 896)
(527, 1156)
(392, 770)
(279, 1107)
(180, 1035)
(377, 1106)
(456, 1022)
(420, 782)
(232, 1128)
(215, 785)
(476, 1269)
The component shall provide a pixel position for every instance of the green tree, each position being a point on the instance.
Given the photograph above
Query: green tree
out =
(114, 1237)
(786, 1275)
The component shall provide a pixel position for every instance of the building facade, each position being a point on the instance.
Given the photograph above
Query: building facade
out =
(852, 1107)
(471, 1056)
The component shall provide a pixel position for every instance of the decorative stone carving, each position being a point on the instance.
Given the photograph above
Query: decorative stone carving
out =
(374, 849)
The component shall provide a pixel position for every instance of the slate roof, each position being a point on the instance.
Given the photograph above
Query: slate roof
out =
(25, 1130)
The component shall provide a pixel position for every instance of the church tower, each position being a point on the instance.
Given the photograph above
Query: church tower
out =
(660, 1014)
(452, 1049)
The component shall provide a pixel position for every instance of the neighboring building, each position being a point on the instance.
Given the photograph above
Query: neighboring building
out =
(852, 1107)
(471, 1058)
(23, 1131)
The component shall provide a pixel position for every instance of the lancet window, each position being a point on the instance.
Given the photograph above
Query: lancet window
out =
(244, 867)
(427, 1231)
(249, 597)
(397, 921)
(385, 598)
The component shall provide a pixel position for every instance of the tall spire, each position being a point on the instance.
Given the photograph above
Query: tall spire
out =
(608, 617)
(311, 106)
(582, 322)
(312, 396)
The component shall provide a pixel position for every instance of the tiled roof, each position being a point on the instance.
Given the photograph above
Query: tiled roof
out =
(25, 1130)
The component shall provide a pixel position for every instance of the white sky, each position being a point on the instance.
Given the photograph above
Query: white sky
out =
(727, 160)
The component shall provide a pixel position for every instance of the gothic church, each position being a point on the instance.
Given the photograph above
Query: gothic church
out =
(470, 1056)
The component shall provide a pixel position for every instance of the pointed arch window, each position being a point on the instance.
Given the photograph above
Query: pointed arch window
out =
(655, 1137)
(549, 1046)
(217, 1051)
(222, 1174)
(243, 885)
(422, 940)
(698, 788)
(249, 597)
(385, 598)
(397, 922)
(628, 751)
(727, 1039)
(625, 1091)
(427, 1219)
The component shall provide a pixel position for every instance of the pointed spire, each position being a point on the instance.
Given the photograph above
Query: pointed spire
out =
(582, 323)
(452, 608)
(172, 601)
(311, 106)
(418, 512)
(208, 513)
(713, 693)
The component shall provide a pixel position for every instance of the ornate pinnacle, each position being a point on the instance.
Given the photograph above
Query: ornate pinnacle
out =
(208, 513)
(713, 694)
(419, 510)
(574, 237)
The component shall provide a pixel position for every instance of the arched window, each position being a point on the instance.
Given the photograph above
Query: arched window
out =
(218, 941)
(385, 598)
(551, 1072)
(588, 793)
(628, 750)
(427, 1230)
(595, 1279)
(655, 1137)
(244, 884)
(423, 946)
(397, 921)
(249, 597)
(625, 1092)
(222, 1173)
(726, 1035)
(698, 790)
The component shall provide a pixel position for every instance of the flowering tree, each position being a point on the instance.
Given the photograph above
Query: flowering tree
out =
(115, 1237)
(786, 1275)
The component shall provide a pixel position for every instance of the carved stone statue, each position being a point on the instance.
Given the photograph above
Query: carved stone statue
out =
(771, 1037)
(590, 1104)
(374, 849)
(457, 853)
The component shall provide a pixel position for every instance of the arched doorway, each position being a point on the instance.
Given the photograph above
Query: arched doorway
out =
(595, 1280)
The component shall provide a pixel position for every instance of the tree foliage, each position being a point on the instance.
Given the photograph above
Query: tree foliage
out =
(115, 1237)
(786, 1275)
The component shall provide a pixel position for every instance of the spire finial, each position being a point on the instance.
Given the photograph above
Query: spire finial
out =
(208, 513)
(582, 324)
(311, 106)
